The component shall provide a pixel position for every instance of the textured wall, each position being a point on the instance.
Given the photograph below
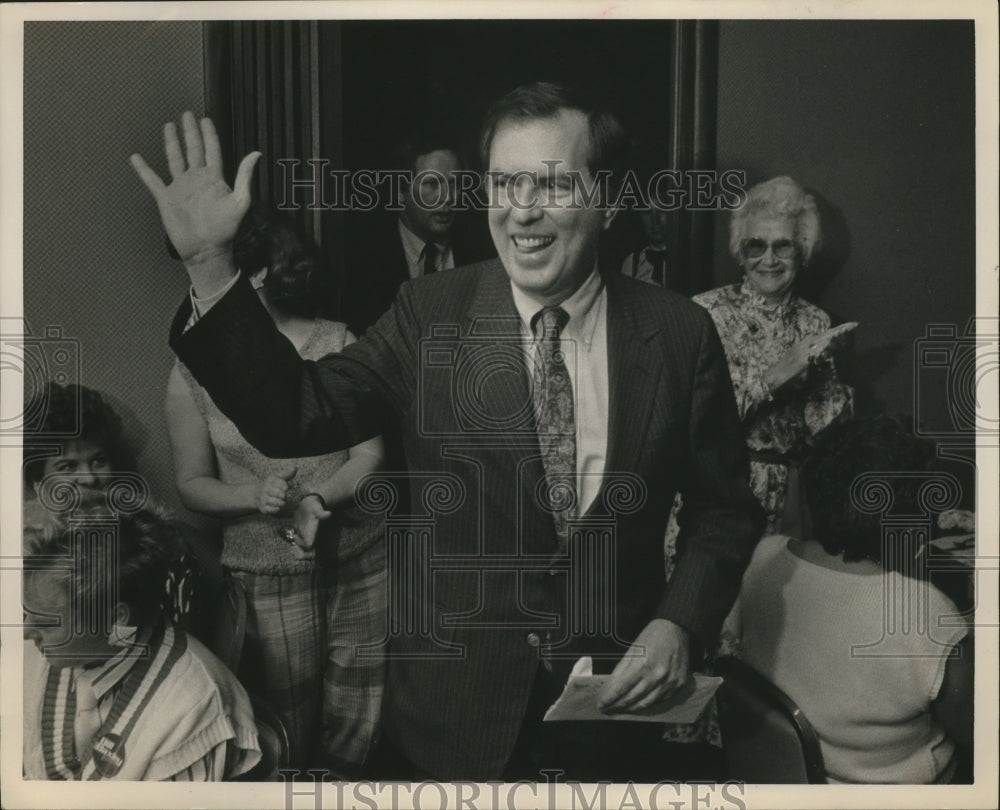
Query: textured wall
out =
(94, 261)
(879, 118)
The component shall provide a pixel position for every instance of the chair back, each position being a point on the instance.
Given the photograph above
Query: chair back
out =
(765, 737)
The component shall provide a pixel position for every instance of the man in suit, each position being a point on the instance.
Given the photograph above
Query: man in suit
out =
(421, 239)
(562, 406)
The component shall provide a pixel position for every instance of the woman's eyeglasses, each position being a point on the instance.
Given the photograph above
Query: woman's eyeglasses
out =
(755, 248)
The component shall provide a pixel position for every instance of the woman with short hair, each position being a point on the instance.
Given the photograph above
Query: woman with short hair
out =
(112, 689)
(779, 350)
(88, 433)
(778, 345)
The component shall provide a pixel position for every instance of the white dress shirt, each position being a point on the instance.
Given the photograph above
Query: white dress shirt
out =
(413, 246)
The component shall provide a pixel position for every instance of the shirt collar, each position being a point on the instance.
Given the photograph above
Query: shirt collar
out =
(583, 307)
(781, 307)
(105, 677)
(413, 245)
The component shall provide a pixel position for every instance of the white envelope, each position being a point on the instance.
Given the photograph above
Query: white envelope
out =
(579, 699)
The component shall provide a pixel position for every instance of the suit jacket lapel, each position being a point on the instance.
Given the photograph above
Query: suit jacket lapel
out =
(633, 371)
(504, 386)
(501, 379)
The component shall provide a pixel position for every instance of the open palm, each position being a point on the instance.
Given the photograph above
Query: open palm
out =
(199, 211)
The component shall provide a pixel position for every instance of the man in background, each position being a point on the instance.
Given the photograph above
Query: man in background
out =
(420, 240)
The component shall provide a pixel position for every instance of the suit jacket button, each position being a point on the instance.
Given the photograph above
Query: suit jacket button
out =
(534, 640)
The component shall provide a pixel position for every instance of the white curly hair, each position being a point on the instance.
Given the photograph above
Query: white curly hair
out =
(779, 198)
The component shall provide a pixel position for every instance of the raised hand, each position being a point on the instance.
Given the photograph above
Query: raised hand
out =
(809, 350)
(199, 211)
(824, 344)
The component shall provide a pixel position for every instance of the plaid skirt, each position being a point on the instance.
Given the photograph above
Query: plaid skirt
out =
(305, 654)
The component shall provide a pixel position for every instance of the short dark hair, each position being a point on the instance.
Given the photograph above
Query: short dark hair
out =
(841, 454)
(73, 412)
(265, 239)
(608, 143)
(145, 545)
(422, 141)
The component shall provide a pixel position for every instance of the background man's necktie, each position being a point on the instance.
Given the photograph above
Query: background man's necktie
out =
(430, 254)
(555, 417)
(657, 258)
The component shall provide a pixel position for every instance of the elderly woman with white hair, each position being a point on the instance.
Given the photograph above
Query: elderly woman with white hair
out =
(779, 350)
(779, 346)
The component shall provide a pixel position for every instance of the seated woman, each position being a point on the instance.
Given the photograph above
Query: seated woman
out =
(811, 609)
(311, 564)
(79, 472)
(111, 688)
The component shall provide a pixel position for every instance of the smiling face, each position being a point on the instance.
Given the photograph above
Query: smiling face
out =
(769, 274)
(427, 203)
(545, 236)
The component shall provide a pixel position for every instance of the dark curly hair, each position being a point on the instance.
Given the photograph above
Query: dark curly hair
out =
(841, 454)
(72, 412)
(293, 278)
(130, 551)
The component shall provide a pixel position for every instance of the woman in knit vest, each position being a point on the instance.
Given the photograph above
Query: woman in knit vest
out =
(312, 566)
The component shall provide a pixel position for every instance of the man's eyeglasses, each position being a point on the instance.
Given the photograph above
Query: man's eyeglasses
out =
(755, 248)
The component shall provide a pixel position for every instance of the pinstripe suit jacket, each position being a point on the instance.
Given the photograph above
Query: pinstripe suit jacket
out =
(447, 361)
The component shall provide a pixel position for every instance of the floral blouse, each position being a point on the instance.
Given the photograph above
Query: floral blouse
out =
(755, 334)
(778, 427)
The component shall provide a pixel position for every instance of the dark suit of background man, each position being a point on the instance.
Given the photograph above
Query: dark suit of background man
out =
(385, 249)
(652, 411)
